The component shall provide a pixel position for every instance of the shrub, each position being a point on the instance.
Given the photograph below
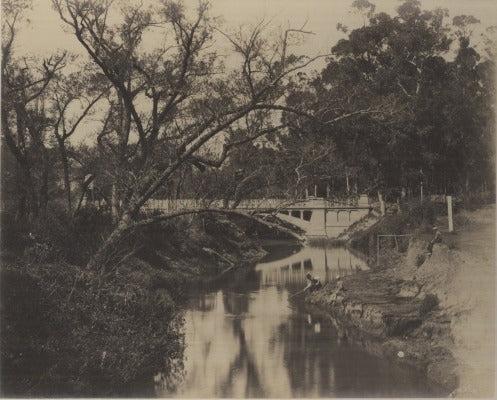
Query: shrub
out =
(418, 216)
(474, 200)
(15, 234)
(87, 230)
(422, 214)
(80, 335)
(55, 235)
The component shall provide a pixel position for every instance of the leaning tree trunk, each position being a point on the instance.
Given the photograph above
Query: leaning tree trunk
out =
(107, 253)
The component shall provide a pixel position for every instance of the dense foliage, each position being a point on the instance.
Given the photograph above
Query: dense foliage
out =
(404, 104)
(427, 110)
(419, 97)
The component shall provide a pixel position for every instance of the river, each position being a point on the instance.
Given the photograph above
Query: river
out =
(250, 338)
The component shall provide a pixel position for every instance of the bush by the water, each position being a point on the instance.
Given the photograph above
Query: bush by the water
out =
(67, 330)
(417, 216)
(55, 235)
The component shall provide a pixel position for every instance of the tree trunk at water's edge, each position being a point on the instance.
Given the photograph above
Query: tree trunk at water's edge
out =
(108, 251)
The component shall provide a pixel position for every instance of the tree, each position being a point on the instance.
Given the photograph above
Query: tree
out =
(421, 109)
(24, 122)
(436, 120)
(170, 102)
(68, 106)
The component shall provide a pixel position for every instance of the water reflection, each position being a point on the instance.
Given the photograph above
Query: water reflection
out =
(247, 340)
(325, 263)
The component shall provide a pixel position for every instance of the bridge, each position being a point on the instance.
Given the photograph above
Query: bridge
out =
(317, 217)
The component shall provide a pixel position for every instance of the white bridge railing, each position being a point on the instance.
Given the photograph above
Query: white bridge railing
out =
(168, 205)
(183, 204)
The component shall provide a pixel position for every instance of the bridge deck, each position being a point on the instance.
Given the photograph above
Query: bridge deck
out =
(258, 204)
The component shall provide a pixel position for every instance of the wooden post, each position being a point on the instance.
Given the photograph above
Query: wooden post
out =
(327, 190)
(382, 204)
(315, 190)
(421, 191)
(449, 213)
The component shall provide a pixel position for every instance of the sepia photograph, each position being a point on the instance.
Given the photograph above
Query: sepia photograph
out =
(248, 198)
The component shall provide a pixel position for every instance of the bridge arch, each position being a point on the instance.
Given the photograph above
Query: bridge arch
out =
(316, 216)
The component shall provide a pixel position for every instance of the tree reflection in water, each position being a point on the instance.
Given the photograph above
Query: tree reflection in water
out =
(247, 340)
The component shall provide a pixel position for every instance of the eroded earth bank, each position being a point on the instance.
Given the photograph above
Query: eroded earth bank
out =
(435, 312)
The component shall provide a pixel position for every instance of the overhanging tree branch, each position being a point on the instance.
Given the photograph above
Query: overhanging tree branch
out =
(222, 211)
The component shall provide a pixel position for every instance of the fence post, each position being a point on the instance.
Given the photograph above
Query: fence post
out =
(449, 213)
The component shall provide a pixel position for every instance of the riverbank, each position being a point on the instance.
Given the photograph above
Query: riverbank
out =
(68, 331)
(436, 312)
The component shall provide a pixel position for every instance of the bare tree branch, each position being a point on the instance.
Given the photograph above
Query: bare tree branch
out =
(223, 211)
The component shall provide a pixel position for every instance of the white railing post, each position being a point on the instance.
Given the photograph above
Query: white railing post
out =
(449, 213)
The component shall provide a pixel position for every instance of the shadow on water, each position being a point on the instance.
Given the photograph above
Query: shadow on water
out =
(248, 340)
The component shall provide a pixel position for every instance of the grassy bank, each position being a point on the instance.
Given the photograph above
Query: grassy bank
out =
(70, 331)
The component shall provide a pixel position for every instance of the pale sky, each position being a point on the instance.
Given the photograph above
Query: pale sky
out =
(46, 33)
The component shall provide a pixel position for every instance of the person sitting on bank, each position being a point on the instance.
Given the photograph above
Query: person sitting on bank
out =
(313, 283)
(437, 238)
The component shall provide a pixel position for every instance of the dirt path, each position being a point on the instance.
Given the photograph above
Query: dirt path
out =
(473, 300)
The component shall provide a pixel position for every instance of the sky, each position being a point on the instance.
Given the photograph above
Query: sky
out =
(45, 33)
